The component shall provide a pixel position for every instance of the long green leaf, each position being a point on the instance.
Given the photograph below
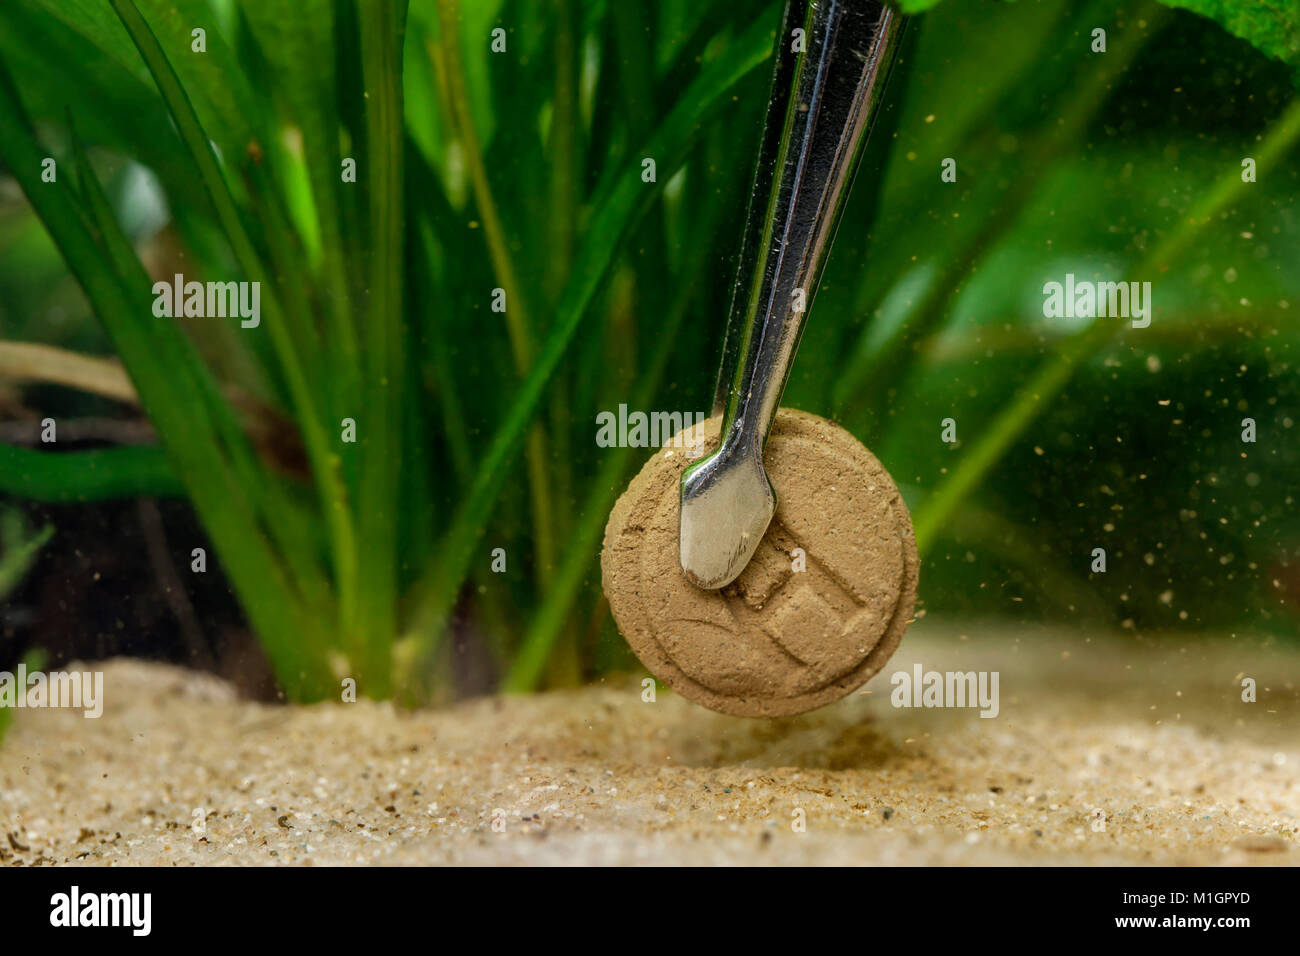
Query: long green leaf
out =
(297, 38)
(374, 624)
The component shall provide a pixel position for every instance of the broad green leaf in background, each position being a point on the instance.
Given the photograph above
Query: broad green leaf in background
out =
(213, 80)
(94, 20)
(1272, 27)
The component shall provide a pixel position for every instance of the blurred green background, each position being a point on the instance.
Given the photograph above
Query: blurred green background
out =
(521, 170)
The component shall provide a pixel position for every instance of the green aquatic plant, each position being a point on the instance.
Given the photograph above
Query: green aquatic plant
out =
(356, 280)
(462, 258)
(18, 550)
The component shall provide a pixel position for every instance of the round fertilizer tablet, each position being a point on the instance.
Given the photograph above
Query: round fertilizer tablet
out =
(818, 610)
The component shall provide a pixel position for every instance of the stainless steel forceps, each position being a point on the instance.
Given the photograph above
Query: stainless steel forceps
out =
(822, 104)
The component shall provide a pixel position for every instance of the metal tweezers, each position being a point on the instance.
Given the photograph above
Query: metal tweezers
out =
(824, 98)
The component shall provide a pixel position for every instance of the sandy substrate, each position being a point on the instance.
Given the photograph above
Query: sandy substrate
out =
(1103, 752)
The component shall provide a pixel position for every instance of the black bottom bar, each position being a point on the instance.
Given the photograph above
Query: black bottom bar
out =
(335, 906)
